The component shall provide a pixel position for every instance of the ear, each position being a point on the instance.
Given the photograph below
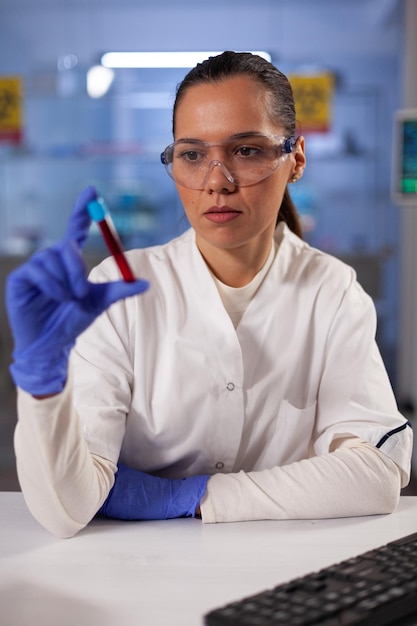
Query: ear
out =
(299, 160)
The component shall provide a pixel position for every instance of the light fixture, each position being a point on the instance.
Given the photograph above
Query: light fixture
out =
(99, 80)
(161, 59)
(67, 62)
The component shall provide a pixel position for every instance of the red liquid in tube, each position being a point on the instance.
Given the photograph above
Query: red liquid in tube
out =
(115, 247)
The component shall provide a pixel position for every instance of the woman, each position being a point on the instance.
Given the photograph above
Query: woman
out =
(245, 383)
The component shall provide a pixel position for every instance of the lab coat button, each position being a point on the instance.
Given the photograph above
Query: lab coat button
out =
(219, 465)
(230, 386)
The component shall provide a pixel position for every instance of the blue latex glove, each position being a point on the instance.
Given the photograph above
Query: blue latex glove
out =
(139, 496)
(50, 302)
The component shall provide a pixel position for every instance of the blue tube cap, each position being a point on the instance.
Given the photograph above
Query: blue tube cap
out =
(97, 209)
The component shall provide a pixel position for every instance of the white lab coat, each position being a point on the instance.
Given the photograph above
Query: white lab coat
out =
(165, 383)
(292, 413)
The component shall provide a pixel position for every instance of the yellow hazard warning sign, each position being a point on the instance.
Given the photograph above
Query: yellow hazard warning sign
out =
(10, 109)
(313, 95)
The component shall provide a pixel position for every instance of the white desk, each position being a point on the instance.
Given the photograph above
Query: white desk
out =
(167, 573)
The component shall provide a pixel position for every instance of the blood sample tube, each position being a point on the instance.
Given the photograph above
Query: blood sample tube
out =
(99, 213)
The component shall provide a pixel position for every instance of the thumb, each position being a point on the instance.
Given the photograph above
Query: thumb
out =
(79, 221)
(104, 294)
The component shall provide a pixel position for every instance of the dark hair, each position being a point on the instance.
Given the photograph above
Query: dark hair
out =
(280, 101)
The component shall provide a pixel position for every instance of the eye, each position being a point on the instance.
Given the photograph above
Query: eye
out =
(190, 155)
(248, 151)
(187, 155)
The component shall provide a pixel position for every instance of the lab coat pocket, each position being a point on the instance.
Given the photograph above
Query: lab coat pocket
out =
(294, 431)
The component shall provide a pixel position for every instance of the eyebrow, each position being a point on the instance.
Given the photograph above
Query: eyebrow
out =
(231, 138)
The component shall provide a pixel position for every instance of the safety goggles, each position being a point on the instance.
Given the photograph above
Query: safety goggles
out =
(244, 160)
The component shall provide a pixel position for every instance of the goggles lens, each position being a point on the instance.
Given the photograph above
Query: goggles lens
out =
(244, 161)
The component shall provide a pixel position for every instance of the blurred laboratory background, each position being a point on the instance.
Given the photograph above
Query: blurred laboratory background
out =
(67, 120)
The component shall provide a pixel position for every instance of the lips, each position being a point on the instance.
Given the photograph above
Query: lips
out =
(222, 214)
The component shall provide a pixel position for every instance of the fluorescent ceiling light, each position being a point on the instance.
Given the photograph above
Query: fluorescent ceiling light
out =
(161, 59)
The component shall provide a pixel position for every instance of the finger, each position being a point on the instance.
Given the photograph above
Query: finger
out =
(40, 274)
(74, 267)
(79, 221)
(58, 272)
(102, 295)
(61, 272)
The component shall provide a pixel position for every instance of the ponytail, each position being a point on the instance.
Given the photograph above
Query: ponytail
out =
(288, 214)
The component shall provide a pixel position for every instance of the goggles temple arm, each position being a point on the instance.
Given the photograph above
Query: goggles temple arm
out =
(289, 144)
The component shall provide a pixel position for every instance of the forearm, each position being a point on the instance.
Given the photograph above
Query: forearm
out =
(350, 481)
(63, 484)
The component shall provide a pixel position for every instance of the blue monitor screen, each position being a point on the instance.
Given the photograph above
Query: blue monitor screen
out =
(404, 170)
(408, 173)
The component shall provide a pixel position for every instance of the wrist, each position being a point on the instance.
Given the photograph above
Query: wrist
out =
(40, 375)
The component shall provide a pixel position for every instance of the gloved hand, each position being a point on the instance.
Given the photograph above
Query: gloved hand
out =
(136, 495)
(50, 302)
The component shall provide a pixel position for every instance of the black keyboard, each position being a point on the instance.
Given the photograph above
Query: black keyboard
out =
(376, 588)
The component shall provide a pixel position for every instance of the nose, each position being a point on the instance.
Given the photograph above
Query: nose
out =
(219, 178)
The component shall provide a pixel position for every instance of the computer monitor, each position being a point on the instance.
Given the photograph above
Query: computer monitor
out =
(404, 165)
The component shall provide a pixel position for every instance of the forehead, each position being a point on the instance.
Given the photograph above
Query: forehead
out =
(216, 111)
